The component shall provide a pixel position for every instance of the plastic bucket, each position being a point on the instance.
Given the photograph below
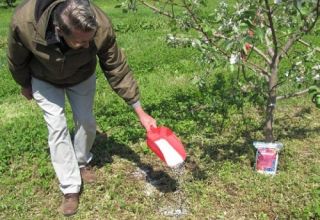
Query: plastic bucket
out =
(166, 145)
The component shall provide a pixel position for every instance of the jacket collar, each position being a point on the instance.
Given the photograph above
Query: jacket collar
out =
(41, 25)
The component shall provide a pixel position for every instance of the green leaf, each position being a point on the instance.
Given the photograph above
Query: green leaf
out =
(229, 45)
(260, 33)
(313, 89)
(208, 30)
(244, 26)
(232, 68)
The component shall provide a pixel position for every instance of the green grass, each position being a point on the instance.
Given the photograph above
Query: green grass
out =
(219, 181)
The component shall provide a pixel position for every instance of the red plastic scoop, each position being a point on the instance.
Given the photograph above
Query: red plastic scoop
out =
(166, 145)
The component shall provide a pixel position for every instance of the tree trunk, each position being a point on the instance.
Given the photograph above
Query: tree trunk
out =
(271, 104)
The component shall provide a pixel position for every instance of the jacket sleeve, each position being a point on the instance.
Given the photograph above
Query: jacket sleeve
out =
(114, 65)
(18, 58)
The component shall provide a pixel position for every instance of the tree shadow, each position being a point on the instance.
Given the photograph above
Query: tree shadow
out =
(195, 108)
(106, 147)
(232, 150)
(194, 114)
(237, 151)
(181, 108)
(295, 127)
(298, 133)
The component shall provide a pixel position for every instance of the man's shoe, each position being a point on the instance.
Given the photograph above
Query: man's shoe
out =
(70, 204)
(87, 174)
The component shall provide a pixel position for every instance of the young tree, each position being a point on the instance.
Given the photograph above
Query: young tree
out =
(260, 37)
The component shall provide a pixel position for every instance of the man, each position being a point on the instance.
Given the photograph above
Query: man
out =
(53, 47)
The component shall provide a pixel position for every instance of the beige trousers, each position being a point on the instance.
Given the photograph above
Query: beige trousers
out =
(67, 156)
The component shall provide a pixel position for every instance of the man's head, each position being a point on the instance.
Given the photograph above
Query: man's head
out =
(75, 22)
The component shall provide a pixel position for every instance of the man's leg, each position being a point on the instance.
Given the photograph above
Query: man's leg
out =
(81, 99)
(52, 101)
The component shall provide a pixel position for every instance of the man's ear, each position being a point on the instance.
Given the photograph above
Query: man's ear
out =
(59, 31)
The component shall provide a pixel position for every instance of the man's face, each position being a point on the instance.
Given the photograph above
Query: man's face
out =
(78, 39)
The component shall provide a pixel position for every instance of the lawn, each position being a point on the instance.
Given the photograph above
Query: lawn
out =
(218, 180)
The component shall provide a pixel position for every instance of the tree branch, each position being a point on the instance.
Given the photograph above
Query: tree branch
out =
(262, 54)
(308, 45)
(258, 70)
(273, 31)
(268, 44)
(155, 9)
(317, 10)
(303, 30)
(300, 93)
(201, 30)
(285, 49)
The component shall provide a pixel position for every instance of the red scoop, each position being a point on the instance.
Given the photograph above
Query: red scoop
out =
(166, 145)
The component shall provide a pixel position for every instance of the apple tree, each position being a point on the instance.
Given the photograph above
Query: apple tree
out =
(271, 40)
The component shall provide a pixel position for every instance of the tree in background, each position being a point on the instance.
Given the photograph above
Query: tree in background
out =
(265, 42)
(9, 2)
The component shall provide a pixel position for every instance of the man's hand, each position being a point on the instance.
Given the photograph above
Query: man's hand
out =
(146, 120)
(27, 92)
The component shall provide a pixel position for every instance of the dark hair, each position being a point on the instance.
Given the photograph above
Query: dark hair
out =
(74, 14)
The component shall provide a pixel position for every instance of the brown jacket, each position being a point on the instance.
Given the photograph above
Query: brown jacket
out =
(33, 50)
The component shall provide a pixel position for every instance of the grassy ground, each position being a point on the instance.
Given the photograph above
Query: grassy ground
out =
(218, 181)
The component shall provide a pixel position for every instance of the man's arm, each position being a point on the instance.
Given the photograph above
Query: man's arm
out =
(114, 65)
(18, 61)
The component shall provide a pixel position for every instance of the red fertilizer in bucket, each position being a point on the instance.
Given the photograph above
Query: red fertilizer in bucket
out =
(267, 157)
(166, 145)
